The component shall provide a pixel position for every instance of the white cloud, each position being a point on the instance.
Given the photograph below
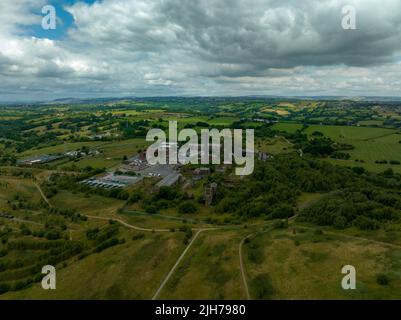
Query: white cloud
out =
(210, 47)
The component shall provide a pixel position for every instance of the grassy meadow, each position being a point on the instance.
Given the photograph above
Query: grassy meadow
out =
(304, 265)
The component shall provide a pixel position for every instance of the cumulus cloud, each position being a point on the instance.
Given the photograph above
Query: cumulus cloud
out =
(210, 47)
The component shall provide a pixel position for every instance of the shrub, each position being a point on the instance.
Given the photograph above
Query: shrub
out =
(135, 197)
(138, 236)
(52, 235)
(151, 209)
(187, 207)
(318, 232)
(4, 287)
(255, 253)
(106, 244)
(382, 279)
(282, 224)
(340, 222)
(365, 223)
(262, 286)
(282, 212)
(358, 170)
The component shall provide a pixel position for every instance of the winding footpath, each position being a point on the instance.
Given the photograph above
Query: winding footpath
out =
(241, 263)
(126, 224)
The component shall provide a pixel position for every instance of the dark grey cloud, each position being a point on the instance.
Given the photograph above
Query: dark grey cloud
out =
(282, 34)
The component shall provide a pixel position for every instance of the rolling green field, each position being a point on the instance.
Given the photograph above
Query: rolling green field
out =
(287, 126)
(62, 148)
(111, 154)
(371, 144)
(90, 204)
(10, 187)
(129, 271)
(212, 265)
(308, 266)
(274, 146)
(350, 133)
(126, 248)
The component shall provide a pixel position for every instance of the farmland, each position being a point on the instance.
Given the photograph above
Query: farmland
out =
(370, 144)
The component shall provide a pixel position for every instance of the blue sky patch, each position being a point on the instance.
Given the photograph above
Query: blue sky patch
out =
(65, 21)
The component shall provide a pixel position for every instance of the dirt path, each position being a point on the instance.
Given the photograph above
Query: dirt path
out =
(105, 218)
(178, 262)
(126, 224)
(387, 244)
(241, 263)
(43, 195)
(28, 221)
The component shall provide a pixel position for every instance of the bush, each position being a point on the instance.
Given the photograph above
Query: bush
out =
(341, 155)
(282, 212)
(106, 244)
(138, 236)
(282, 224)
(255, 253)
(382, 279)
(20, 285)
(166, 193)
(4, 287)
(135, 197)
(52, 235)
(340, 222)
(365, 223)
(358, 170)
(262, 286)
(187, 207)
(151, 209)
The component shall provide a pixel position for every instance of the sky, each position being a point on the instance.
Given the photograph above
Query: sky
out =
(117, 48)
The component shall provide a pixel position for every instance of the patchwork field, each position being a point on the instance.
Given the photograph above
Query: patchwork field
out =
(371, 144)
(105, 248)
